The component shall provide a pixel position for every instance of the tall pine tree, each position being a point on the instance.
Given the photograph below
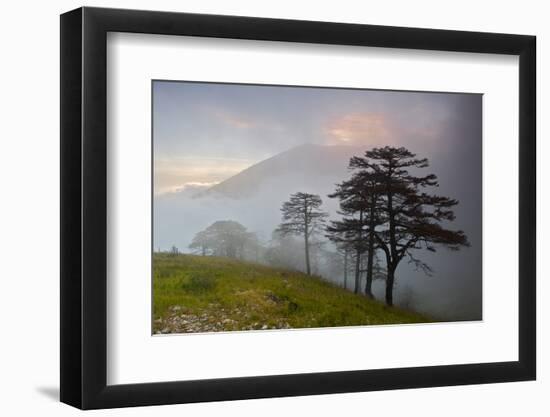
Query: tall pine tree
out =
(413, 218)
(359, 198)
(302, 216)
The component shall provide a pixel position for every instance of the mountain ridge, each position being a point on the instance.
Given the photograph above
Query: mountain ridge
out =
(304, 163)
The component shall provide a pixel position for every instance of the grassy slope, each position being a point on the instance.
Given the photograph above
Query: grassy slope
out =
(197, 294)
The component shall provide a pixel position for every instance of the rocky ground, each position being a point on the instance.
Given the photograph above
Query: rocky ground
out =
(213, 319)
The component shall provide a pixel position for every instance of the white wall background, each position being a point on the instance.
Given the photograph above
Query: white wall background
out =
(29, 226)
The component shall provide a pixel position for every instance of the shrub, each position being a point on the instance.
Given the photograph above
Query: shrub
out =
(198, 283)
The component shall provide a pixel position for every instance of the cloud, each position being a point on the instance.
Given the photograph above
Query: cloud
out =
(188, 186)
(173, 174)
(360, 129)
(237, 122)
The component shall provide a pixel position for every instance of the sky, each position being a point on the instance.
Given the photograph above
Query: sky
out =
(207, 132)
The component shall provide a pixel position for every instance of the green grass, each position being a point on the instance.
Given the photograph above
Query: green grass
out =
(196, 294)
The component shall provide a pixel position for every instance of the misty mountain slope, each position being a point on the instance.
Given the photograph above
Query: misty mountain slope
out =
(308, 166)
(254, 198)
(207, 294)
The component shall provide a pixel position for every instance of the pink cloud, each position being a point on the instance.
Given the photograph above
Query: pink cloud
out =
(360, 129)
(235, 121)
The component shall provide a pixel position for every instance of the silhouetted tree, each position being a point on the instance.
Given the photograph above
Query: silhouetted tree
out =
(202, 242)
(222, 238)
(302, 216)
(359, 199)
(253, 249)
(284, 251)
(344, 250)
(412, 218)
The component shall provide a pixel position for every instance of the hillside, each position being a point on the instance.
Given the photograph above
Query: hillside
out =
(204, 294)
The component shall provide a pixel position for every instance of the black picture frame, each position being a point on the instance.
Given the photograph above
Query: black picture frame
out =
(84, 207)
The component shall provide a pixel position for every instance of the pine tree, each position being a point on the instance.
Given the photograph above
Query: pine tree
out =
(412, 217)
(302, 216)
(359, 199)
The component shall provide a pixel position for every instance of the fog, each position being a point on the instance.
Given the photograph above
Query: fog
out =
(253, 178)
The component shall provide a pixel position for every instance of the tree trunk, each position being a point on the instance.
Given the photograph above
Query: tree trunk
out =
(370, 257)
(358, 257)
(357, 271)
(393, 252)
(368, 285)
(346, 269)
(308, 267)
(306, 237)
(389, 285)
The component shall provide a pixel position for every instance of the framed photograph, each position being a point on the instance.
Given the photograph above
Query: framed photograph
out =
(257, 207)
